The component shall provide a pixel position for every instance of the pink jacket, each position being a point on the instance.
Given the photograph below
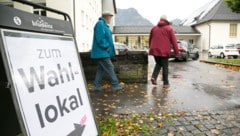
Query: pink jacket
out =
(162, 39)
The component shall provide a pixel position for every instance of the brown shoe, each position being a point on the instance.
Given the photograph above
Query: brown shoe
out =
(153, 81)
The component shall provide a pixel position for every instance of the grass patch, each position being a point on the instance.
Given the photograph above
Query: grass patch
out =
(122, 125)
(228, 61)
(134, 124)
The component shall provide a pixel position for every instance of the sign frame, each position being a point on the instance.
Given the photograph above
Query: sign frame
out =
(64, 28)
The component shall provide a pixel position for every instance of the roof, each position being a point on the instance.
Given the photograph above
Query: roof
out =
(185, 30)
(132, 29)
(216, 10)
(146, 30)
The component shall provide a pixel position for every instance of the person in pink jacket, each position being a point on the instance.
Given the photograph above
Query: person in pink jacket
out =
(162, 39)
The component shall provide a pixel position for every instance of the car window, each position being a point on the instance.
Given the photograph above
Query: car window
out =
(220, 47)
(213, 47)
(230, 46)
(238, 45)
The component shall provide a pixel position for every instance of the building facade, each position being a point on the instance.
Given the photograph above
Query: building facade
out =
(137, 37)
(84, 15)
(216, 23)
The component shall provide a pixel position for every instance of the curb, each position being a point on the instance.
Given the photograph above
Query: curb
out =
(231, 67)
(212, 62)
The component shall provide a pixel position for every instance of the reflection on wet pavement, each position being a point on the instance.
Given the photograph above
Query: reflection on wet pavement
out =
(195, 86)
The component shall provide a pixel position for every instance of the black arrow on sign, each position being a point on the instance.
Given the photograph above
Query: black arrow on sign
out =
(78, 130)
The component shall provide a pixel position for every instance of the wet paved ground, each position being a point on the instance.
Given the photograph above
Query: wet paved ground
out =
(223, 123)
(210, 97)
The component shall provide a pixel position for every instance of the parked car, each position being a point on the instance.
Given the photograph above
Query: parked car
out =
(120, 47)
(238, 47)
(187, 50)
(223, 51)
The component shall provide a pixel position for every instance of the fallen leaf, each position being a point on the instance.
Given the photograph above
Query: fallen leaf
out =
(171, 133)
(215, 131)
(146, 96)
(105, 134)
(182, 113)
(141, 121)
(161, 125)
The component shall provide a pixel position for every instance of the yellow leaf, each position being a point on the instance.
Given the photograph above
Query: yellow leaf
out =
(105, 134)
(117, 124)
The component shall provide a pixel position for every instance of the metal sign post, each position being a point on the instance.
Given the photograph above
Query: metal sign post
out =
(48, 84)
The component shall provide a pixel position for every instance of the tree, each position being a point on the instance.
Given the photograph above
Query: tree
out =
(234, 5)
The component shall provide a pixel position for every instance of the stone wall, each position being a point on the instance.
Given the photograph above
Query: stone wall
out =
(130, 67)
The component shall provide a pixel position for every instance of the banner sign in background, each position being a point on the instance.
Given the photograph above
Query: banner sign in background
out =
(49, 84)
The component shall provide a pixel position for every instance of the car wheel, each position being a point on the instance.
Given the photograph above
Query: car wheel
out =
(222, 56)
(235, 57)
(209, 54)
(196, 56)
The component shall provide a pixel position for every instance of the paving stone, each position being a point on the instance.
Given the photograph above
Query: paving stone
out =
(177, 134)
(187, 134)
(196, 131)
(227, 131)
(209, 126)
(235, 131)
(161, 131)
(220, 127)
(172, 129)
(177, 123)
(195, 122)
(189, 118)
(208, 133)
(185, 123)
(202, 128)
(190, 128)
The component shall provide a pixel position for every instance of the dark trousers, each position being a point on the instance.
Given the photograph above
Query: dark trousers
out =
(161, 62)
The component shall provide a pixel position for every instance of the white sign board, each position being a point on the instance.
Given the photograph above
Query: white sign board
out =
(49, 84)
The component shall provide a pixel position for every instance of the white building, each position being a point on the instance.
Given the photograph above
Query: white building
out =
(84, 15)
(216, 23)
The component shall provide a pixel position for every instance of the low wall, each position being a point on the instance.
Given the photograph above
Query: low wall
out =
(130, 67)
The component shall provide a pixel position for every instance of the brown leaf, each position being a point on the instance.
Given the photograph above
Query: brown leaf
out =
(171, 133)
(182, 113)
(161, 125)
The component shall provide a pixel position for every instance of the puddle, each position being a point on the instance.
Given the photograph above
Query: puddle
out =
(220, 92)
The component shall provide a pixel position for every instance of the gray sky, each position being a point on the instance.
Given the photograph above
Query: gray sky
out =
(153, 9)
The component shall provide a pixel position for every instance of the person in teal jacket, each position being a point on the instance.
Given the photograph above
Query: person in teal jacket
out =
(102, 51)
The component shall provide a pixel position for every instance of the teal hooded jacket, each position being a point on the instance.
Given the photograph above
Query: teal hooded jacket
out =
(102, 46)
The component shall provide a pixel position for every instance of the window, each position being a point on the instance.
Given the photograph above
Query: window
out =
(40, 11)
(191, 41)
(233, 30)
